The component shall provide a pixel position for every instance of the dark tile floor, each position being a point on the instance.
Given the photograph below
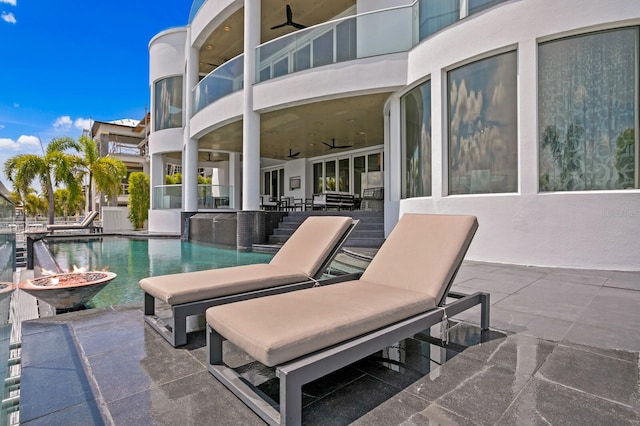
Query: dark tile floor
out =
(563, 349)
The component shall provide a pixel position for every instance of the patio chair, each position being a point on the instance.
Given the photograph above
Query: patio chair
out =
(298, 264)
(310, 333)
(87, 223)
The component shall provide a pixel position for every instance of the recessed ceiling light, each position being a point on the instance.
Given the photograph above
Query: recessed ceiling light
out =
(351, 120)
(362, 132)
(209, 47)
(226, 28)
(312, 144)
(318, 123)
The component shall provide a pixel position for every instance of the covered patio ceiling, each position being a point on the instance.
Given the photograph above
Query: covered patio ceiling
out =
(356, 121)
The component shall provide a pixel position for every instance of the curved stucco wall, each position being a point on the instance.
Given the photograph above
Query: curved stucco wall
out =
(166, 54)
(594, 229)
(166, 140)
(217, 114)
(166, 58)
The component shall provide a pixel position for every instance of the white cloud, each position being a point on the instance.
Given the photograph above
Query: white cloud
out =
(63, 122)
(1, 126)
(16, 105)
(24, 143)
(8, 144)
(11, 2)
(8, 17)
(29, 140)
(82, 123)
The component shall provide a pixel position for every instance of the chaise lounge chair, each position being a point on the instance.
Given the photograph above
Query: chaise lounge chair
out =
(310, 333)
(87, 223)
(299, 264)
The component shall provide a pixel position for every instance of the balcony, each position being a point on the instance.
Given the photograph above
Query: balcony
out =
(364, 35)
(209, 197)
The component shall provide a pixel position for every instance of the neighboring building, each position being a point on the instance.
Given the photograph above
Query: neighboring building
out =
(523, 113)
(127, 141)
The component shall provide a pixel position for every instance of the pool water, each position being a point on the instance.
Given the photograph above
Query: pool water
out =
(134, 259)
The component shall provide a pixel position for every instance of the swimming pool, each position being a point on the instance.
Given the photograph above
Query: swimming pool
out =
(134, 259)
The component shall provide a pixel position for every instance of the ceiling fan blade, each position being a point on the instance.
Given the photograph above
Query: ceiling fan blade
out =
(298, 26)
(289, 14)
(330, 146)
(279, 26)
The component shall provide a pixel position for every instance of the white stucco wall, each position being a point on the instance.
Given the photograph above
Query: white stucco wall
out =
(164, 222)
(595, 229)
(166, 54)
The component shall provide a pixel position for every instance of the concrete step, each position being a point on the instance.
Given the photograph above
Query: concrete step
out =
(287, 227)
(351, 242)
(369, 233)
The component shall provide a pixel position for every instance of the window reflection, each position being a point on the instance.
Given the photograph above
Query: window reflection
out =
(168, 103)
(588, 94)
(483, 151)
(416, 147)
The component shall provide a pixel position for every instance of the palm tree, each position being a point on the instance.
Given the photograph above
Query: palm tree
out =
(106, 172)
(52, 168)
(65, 205)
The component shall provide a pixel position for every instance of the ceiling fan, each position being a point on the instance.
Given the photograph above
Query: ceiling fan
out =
(334, 146)
(293, 154)
(289, 21)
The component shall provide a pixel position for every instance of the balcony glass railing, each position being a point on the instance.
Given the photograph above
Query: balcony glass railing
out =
(224, 80)
(209, 197)
(354, 37)
(215, 197)
(167, 197)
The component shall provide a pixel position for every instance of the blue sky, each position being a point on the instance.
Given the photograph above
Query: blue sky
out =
(65, 62)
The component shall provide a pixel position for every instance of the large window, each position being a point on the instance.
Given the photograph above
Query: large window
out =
(483, 149)
(337, 174)
(588, 112)
(168, 103)
(416, 146)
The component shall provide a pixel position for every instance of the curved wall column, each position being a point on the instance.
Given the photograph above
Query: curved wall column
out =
(190, 148)
(251, 121)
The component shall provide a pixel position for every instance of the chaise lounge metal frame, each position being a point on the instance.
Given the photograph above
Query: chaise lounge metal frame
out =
(294, 374)
(176, 333)
(87, 223)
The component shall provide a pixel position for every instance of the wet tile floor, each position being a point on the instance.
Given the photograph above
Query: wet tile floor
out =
(563, 349)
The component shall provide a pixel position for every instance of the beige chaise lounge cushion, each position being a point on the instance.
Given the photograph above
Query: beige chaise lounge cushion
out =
(409, 275)
(423, 253)
(313, 241)
(277, 329)
(298, 259)
(186, 287)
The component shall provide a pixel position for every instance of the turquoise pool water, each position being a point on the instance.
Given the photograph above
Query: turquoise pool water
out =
(134, 259)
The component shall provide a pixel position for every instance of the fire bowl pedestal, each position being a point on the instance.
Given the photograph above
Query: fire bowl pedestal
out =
(67, 291)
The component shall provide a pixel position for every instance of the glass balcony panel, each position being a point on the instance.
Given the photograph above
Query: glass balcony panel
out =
(215, 196)
(302, 58)
(384, 32)
(167, 197)
(224, 80)
(346, 40)
(281, 67)
(323, 49)
(435, 15)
